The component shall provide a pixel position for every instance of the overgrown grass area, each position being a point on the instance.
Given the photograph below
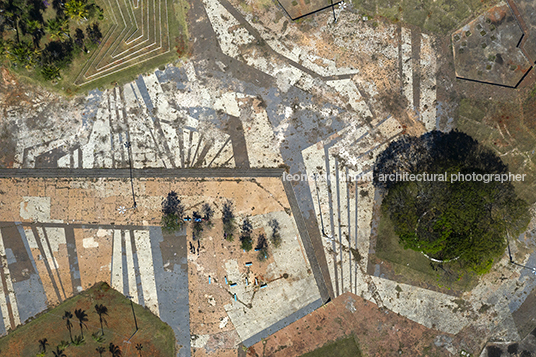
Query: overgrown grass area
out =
(410, 266)
(155, 337)
(345, 347)
(440, 16)
(508, 128)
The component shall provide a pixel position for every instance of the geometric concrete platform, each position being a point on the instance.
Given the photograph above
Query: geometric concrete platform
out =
(486, 49)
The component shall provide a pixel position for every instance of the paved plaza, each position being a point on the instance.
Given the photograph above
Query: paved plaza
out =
(258, 100)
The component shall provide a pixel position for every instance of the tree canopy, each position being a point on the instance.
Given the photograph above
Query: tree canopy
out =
(447, 217)
(172, 213)
(46, 47)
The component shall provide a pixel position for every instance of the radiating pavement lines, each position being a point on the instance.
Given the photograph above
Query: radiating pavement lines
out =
(117, 263)
(131, 272)
(124, 272)
(318, 265)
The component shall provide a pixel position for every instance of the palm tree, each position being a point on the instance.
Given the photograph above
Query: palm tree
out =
(115, 350)
(67, 317)
(57, 28)
(43, 345)
(24, 54)
(100, 350)
(59, 352)
(5, 48)
(101, 310)
(12, 12)
(139, 348)
(82, 317)
(76, 9)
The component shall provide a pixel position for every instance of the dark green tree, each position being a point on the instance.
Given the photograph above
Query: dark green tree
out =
(197, 225)
(228, 220)
(24, 54)
(57, 28)
(100, 350)
(12, 12)
(102, 311)
(262, 247)
(43, 345)
(76, 9)
(79, 38)
(246, 242)
(82, 318)
(78, 340)
(59, 352)
(172, 213)
(93, 33)
(466, 221)
(58, 53)
(67, 316)
(207, 214)
(114, 350)
(50, 72)
(276, 236)
(139, 347)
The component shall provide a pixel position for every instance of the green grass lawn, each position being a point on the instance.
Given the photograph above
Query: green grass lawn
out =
(410, 266)
(178, 37)
(439, 16)
(346, 347)
(156, 337)
(507, 127)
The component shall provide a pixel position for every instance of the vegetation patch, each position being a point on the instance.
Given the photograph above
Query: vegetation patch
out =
(445, 215)
(96, 321)
(78, 45)
(440, 17)
(413, 268)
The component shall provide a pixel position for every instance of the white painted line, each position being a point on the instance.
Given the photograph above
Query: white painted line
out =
(225, 154)
(76, 155)
(9, 285)
(118, 150)
(132, 287)
(407, 69)
(30, 238)
(186, 146)
(56, 236)
(261, 142)
(130, 97)
(221, 21)
(117, 262)
(145, 262)
(65, 161)
(97, 152)
(48, 254)
(3, 307)
(193, 146)
(190, 72)
(347, 88)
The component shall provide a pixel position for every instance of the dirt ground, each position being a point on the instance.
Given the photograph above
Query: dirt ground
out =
(379, 332)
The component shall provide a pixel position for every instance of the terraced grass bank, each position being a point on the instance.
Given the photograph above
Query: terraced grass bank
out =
(144, 34)
(96, 44)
